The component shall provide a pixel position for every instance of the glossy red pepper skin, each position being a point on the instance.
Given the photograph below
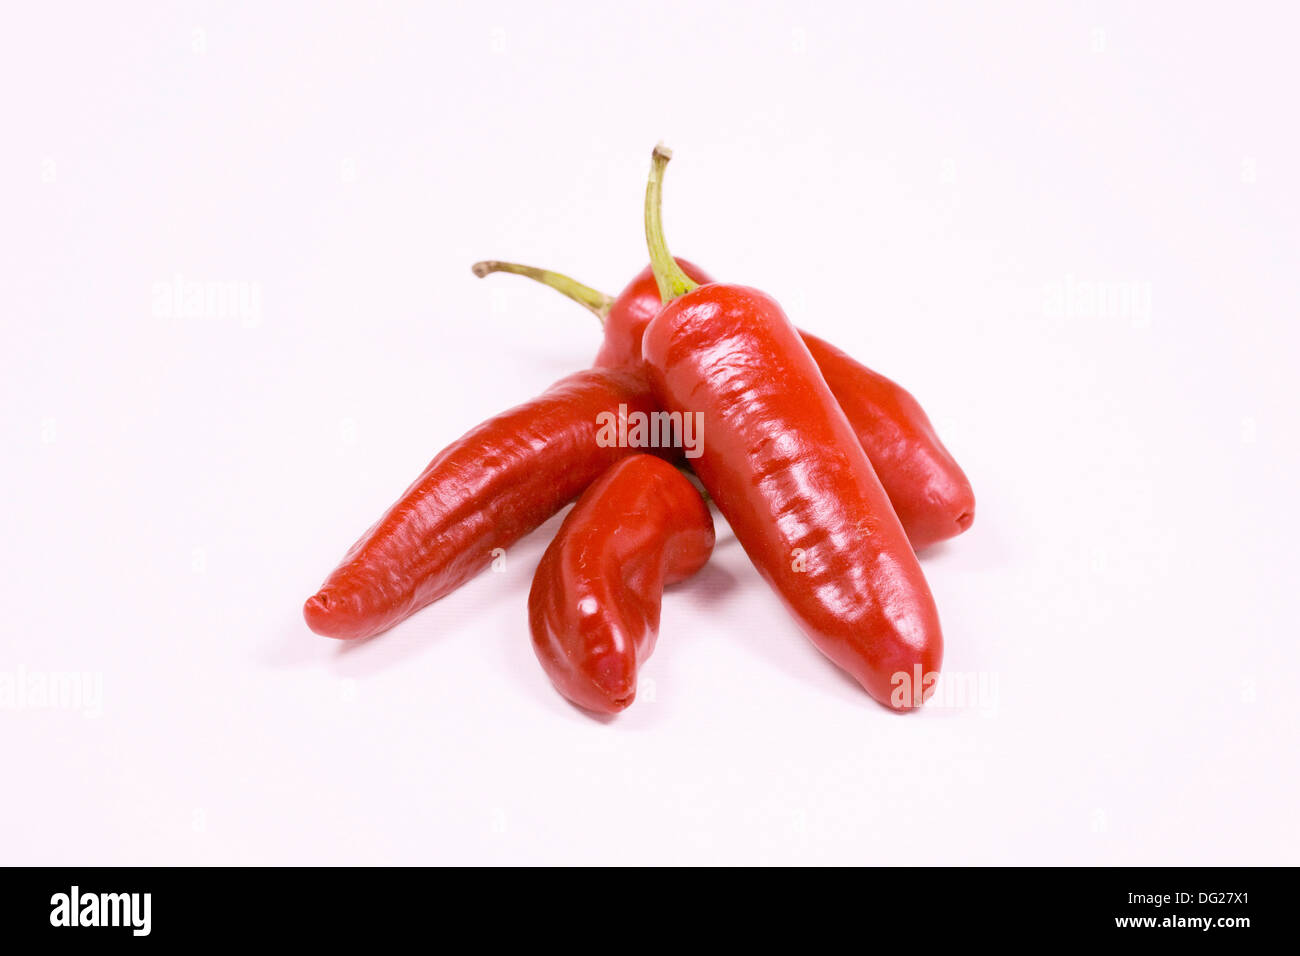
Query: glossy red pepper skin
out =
(928, 489)
(594, 605)
(786, 469)
(485, 491)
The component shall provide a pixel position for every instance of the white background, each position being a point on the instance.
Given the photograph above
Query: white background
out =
(918, 185)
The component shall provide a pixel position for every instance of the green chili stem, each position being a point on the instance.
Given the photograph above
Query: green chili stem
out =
(670, 278)
(584, 295)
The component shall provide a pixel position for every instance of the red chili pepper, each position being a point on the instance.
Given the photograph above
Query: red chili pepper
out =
(784, 466)
(594, 606)
(482, 493)
(927, 487)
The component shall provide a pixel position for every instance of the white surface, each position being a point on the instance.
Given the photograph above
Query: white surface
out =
(912, 184)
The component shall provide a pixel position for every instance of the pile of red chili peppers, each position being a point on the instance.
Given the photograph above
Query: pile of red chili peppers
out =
(829, 474)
